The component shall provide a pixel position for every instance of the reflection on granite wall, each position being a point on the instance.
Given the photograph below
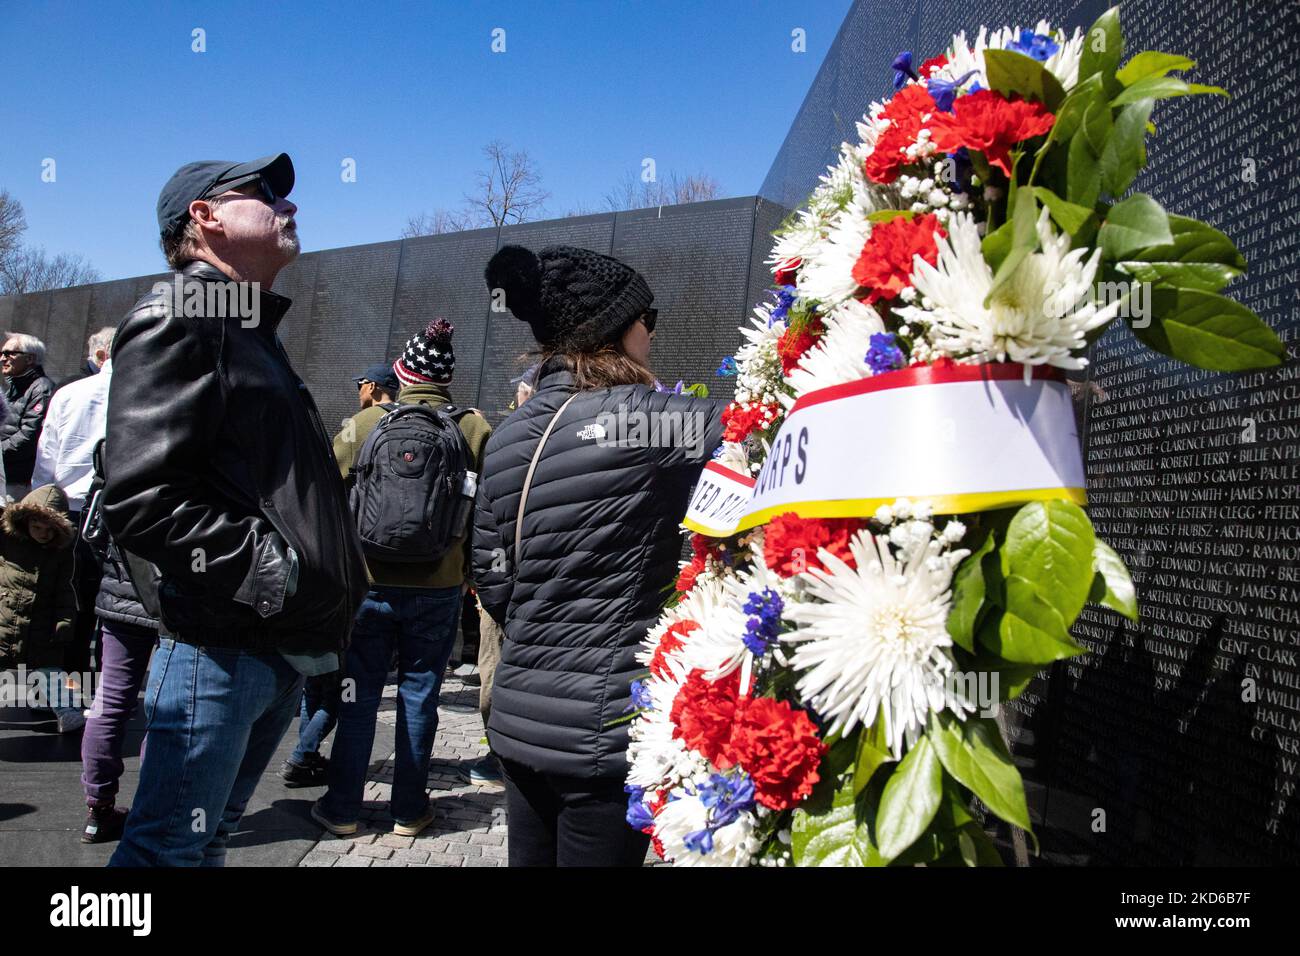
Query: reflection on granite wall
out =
(1176, 740)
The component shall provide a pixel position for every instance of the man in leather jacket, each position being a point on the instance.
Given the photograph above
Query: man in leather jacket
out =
(218, 471)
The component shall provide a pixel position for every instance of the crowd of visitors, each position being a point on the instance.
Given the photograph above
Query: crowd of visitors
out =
(178, 521)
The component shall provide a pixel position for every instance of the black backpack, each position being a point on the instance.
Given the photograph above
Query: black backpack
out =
(412, 484)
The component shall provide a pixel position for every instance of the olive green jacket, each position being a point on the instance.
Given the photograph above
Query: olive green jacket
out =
(36, 597)
(452, 569)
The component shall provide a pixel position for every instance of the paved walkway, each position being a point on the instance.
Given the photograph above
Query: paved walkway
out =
(42, 806)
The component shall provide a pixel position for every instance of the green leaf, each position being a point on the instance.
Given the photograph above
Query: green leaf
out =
(1067, 215)
(889, 215)
(1082, 173)
(1024, 240)
(1049, 546)
(968, 596)
(873, 753)
(1070, 115)
(1098, 121)
(1118, 592)
(1017, 640)
(834, 836)
(974, 753)
(1126, 149)
(1152, 63)
(996, 246)
(1209, 331)
(1162, 88)
(1009, 72)
(1133, 224)
(1200, 257)
(976, 847)
(1103, 46)
(910, 800)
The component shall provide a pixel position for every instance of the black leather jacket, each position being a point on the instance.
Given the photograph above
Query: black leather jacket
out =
(216, 463)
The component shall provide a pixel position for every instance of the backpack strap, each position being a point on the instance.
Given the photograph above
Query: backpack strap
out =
(528, 478)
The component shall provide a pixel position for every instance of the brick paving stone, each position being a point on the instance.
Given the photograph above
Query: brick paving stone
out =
(470, 821)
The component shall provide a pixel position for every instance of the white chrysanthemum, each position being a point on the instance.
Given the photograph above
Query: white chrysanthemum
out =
(1041, 316)
(876, 640)
(734, 456)
(718, 646)
(827, 273)
(656, 758)
(840, 355)
(758, 366)
(733, 845)
(1063, 64)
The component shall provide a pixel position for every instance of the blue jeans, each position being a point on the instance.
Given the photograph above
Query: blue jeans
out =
(421, 624)
(319, 714)
(214, 718)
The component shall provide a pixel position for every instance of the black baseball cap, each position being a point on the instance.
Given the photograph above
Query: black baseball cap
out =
(383, 376)
(196, 181)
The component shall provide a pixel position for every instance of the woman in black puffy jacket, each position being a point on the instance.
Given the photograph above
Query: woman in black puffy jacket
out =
(597, 546)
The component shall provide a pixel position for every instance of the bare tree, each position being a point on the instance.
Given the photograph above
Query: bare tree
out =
(509, 190)
(436, 223)
(29, 269)
(12, 224)
(34, 270)
(634, 192)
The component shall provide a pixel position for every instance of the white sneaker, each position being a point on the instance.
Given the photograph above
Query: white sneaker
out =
(70, 721)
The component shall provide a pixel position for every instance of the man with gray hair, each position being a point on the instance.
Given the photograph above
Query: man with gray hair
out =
(97, 347)
(27, 392)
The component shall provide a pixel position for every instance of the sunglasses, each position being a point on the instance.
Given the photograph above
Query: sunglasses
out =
(649, 317)
(10, 353)
(264, 190)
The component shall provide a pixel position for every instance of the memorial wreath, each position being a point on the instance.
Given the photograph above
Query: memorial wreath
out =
(892, 538)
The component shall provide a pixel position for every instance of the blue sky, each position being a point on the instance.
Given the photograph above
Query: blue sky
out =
(411, 91)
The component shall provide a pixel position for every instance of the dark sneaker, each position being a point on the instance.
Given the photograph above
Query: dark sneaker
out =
(103, 824)
(487, 773)
(311, 774)
(333, 826)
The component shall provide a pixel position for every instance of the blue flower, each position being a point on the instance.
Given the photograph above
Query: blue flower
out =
(1037, 46)
(727, 797)
(638, 814)
(944, 92)
(902, 67)
(784, 299)
(640, 696)
(761, 630)
(701, 841)
(884, 355)
(728, 366)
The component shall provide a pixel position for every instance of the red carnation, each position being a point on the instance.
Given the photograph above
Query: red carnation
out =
(885, 266)
(702, 715)
(934, 63)
(686, 579)
(905, 113)
(742, 419)
(790, 543)
(779, 748)
(792, 344)
(786, 269)
(670, 643)
(991, 123)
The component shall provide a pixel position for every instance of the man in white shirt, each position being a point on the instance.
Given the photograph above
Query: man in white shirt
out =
(74, 423)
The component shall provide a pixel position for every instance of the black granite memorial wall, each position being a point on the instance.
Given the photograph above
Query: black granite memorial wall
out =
(357, 305)
(1175, 740)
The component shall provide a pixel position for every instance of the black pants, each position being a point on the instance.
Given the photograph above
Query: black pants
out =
(568, 821)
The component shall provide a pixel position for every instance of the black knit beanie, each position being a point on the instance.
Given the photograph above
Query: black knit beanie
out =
(428, 356)
(574, 299)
